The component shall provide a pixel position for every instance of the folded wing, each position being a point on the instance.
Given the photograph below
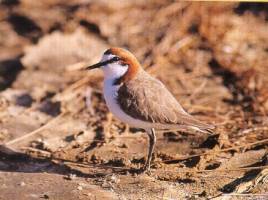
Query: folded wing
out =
(146, 98)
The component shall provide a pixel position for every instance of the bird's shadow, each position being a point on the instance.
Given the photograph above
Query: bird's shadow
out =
(12, 161)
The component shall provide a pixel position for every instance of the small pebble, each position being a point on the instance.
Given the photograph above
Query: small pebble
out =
(24, 100)
(45, 196)
(88, 194)
(71, 177)
(22, 184)
(113, 179)
(105, 185)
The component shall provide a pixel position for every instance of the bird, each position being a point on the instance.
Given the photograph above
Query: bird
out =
(138, 99)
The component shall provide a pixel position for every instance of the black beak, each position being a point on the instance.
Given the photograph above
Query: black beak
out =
(98, 65)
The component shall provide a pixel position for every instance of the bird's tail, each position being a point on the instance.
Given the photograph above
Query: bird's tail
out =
(205, 128)
(200, 126)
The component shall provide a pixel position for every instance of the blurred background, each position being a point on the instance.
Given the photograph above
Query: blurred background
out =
(212, 56)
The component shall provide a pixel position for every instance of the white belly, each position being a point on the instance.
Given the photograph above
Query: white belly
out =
(110, 96)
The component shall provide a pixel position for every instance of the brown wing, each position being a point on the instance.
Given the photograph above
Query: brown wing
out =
(146, 98)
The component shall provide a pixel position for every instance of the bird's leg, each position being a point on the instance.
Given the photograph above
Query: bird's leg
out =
(152, 141)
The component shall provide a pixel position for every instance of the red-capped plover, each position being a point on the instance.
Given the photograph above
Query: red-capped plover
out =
(141, 100)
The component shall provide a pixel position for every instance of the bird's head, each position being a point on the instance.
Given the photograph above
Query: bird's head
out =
(118, 64)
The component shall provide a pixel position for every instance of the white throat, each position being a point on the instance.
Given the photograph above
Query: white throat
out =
(114, 70)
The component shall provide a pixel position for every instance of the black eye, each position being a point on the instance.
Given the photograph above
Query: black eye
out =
(116, 59)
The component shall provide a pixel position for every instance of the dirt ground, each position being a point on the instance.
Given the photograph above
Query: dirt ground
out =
(58, 139)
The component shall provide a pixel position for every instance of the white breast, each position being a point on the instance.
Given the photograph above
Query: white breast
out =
(110, 95)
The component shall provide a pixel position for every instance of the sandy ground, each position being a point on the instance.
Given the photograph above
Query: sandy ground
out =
(58, 139)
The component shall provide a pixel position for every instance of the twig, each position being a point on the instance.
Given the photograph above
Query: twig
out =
(90, 165)
(45, 154)
(246, 131)
(182, 43)
(198, 90)
(75, 85)
(16, 140)
(86, 165)
(215, 170)
(76, 66)
(219, 151)
(238, 194)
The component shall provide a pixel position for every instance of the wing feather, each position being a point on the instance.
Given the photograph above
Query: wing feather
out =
(146, 98)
